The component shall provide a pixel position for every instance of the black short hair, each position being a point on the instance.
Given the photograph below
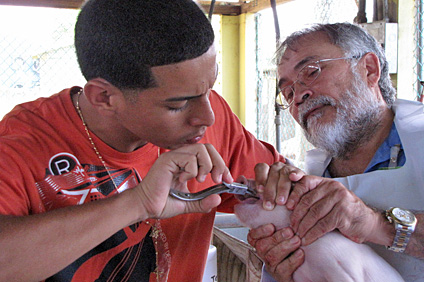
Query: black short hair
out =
(121, 40)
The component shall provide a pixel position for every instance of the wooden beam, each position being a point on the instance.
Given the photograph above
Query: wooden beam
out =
(69, 4)
(230, 10)
(254, 6)
(225, 8)
(221, 7)
(241, 7)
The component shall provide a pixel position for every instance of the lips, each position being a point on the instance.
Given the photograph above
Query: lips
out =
(195, 139)
(314, 107)
(312, 111)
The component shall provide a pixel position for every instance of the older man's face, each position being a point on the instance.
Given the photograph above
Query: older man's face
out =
(338, 109)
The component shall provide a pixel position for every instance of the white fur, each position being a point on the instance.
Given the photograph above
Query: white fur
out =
(332, 258)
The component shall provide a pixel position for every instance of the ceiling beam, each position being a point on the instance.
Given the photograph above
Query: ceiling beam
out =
(221, 7)
(69, 4)
(234, 8)
(255, 6)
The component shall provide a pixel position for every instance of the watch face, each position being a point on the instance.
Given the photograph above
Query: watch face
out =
(403, 215)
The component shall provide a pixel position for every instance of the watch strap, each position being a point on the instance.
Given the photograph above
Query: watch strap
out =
(403, 234)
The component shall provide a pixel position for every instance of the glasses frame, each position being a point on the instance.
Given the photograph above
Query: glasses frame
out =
(284, 105)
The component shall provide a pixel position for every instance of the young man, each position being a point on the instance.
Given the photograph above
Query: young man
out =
(85, 174)
(334, 80)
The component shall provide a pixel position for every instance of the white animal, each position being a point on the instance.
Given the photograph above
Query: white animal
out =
(332, 258)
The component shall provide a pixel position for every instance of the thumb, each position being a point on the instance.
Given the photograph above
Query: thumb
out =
(203, 206)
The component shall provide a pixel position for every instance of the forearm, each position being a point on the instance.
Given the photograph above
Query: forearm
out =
(34, 247)
(416, 244)
(382, 231)
(37, 246)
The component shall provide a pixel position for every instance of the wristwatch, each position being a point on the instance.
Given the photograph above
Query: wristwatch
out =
(404, 222)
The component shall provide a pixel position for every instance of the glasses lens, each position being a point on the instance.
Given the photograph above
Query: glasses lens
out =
(308, 74)
(285, 97)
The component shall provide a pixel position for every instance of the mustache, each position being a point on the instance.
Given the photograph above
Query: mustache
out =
(311, 103)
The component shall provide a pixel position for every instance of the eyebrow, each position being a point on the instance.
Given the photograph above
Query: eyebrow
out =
(297, 67)
(184, 98)
(304, 61)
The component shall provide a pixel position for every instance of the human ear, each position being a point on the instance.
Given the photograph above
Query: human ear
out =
(371, 65)
(101, 94)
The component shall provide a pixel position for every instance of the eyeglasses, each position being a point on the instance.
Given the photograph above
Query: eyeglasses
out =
(306, 76)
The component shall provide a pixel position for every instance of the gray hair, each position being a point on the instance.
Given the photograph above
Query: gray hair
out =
(354, 41)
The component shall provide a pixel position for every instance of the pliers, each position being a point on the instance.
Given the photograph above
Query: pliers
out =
(232, 188)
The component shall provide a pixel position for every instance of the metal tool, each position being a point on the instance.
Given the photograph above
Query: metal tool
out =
(232, 188)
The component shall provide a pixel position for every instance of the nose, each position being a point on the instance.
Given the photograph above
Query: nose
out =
(301, 94)
(201, 113)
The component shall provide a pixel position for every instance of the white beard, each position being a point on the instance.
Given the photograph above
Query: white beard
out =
(357, 118)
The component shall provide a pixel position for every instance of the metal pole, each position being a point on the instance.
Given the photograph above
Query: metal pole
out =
(386, 11)
(276, 25)
(361, 17)
(277, 119)
(212, 7)
(420, 43)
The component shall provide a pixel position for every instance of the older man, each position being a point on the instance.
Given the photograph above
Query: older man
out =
(334, 80)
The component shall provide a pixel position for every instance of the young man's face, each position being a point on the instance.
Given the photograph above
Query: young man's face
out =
(177, 111)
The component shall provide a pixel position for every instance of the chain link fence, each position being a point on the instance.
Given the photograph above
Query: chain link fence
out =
(38, 57)
(293, 144)
(419, 40)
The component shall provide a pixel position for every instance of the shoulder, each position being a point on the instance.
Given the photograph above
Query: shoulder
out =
(218, 103)
(36, 124)
(404, 107)
(35, 113)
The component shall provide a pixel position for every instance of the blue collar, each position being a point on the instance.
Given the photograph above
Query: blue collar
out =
(381, 158)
